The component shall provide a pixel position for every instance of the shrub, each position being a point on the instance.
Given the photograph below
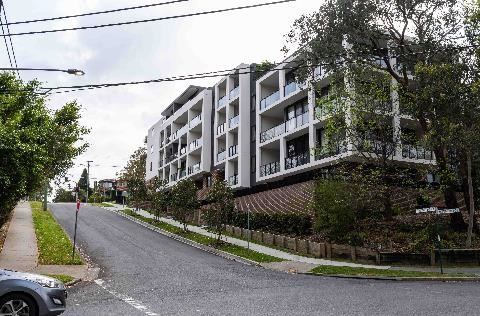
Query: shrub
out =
(220, 210)
(278, 223)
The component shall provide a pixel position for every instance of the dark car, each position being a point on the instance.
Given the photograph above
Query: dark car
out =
(26, 294)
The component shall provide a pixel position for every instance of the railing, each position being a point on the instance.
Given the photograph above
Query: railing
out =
(194, 169)
(377, 147)
(180, 131)
(233, 180)
(326, 152)
(221, 156)
(195, 144)
(272, 132)
(416, 152)
(172, 157)
(197, 119)
(182, 173)
(232, 151)
(221, 128)
(162, 143)
(270, 168)
(168, 139)
(290, 88)
(183, 150)
(298, 160)
(326, 109)
(173, 177)
(222, 101)
(296, 122)
(269, 100)
(234, 92)
(234, 121)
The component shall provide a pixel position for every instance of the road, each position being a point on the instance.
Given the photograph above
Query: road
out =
(145, 273)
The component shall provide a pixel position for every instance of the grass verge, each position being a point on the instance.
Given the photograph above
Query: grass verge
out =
(205, 240)
(103, 204)
(358, 271)
(54, 246)
(61, 277)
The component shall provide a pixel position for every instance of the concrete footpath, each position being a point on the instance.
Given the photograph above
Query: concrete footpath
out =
(20, 252)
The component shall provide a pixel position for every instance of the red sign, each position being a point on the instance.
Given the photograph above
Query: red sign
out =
(78, 205)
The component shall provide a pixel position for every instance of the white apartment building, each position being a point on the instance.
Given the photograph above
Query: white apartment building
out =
(179, 144)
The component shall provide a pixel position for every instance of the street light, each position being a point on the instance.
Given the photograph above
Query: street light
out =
(72, 71)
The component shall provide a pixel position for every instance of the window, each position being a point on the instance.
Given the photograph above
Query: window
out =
(296, 109)
(253, 133)
(151, 166)
(253, 164)
(209, 181)
(297, 146)
(151, 149)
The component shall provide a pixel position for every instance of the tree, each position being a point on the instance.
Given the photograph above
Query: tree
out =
(184, 200)
(158, 196)
(134, 174)
(82, 184)
(36, 144)
(63, 195)
(220, 210)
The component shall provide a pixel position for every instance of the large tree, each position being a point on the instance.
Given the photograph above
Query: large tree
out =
(36, 143)
(134, 174)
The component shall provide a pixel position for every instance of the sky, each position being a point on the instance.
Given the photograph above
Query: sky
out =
(119, 117)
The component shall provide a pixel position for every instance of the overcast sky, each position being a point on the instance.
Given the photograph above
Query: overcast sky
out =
(119, 117)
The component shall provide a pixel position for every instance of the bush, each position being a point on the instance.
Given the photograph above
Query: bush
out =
(278, 223)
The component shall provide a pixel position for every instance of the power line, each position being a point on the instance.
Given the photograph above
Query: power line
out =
(152, 20)
(4, 38)
(9, 37)
(222, 73)
(97, 12)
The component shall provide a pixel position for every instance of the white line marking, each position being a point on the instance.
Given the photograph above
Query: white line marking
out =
(127, 299)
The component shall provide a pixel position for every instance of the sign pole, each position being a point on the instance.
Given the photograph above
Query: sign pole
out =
(248, 226)
(75, 231)
(439, 243)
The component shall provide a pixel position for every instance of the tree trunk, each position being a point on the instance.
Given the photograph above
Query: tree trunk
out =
(471, 200)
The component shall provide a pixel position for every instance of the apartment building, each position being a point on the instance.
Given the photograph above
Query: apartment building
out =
(256, 131)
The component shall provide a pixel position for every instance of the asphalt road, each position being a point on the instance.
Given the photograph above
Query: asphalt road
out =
(145, 273)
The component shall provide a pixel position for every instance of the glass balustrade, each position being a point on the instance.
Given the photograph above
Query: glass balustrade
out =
(195, 144)
(233, 180)
(232, 151)
(269, 100)
(234, 121)
(221, 129)
(221, 156)
(194, 169)
(222, 101)
(196, 120)
(416, 152)
(290, 88)
(234, 92)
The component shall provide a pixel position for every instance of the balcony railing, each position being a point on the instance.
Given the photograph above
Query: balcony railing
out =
(416, 152)
(377, 147)
(183, 150)
(173, 177)
(232, 150)
(269, 100)
(298, 160)
(195, 144)
(168, 139)
(197, 119)
(270, 168)
(180, 131)
(290, 88)
(222, 101)
(182, 173)
(194, 169)
(284, 127)
(296, 122)
(328, 151)
(234, 92)
(233, 180)
(221, 156)
(234, 121)
(221, 128)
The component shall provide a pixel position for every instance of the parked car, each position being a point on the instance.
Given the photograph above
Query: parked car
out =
(26, 294)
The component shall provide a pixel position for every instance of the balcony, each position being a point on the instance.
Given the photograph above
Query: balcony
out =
(269, 100)
(183, 151)
(172, 157)
(297, 161)
(173, 177)
(233, 180)
(284, 127)
(180, 131)
(327, 151)
(221, 156)
(233, 150)
(270, 168)
(196, 120)
(416, 152)
(222, 101)
(234, 92)
(194, 169)
(195, 144)
(297, 121)
(221, 128)
(234, 121)
(168, 139)
(290, 88)
(182, 173)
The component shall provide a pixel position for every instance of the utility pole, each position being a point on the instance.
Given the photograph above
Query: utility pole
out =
(88, 179)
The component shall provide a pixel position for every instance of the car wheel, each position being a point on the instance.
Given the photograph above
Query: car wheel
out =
(17, 305)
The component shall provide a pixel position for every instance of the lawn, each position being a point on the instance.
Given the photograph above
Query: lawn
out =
(358, 271)
(61, 277)
(54, 246)
(205, 240)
